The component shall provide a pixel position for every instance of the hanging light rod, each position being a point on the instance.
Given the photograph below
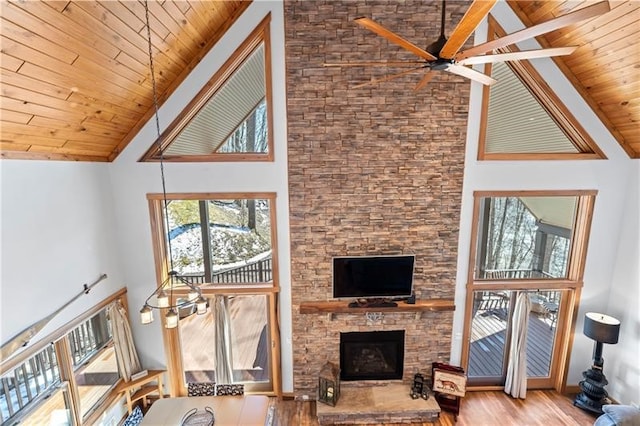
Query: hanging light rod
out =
(162, 299)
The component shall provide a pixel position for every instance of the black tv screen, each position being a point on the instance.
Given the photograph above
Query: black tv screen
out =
(373, 276)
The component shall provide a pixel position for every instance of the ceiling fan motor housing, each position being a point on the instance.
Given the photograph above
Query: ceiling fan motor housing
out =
(441, 64)
(435, 47)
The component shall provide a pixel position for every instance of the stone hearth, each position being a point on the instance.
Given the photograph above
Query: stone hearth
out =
(377, 404)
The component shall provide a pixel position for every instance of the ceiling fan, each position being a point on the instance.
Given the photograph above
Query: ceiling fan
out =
(444, 54)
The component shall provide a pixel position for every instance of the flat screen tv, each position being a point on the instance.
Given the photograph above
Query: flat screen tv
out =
(373, 276)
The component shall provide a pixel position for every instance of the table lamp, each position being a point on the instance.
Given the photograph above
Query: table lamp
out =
(603, 329)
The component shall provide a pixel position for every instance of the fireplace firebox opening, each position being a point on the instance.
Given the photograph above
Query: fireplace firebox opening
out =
(372, 355)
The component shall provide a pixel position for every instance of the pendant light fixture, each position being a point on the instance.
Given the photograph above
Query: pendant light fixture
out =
(162, 296)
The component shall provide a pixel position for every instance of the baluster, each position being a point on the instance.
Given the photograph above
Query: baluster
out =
(27, 380)
(76, 339)
(40, 361)
(16, 387)
(73, 346)
(83, 341)
(6, 389)
(53, 364)
(35, 371)
(86, 340)
(92, 334)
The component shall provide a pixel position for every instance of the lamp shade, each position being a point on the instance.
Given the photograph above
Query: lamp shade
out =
(162, 299)
(171, 319)
(146, 315)
(601, 328)
(201, 305)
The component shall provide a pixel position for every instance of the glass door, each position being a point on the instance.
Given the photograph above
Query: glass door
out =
(491, 335)
(241, 345)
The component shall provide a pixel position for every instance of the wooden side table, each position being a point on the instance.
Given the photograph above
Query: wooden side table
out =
(142, 387)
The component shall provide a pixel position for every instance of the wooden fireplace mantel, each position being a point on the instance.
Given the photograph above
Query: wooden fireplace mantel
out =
(342, 306)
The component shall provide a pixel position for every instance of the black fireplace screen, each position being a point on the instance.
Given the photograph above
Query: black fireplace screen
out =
(372, 355)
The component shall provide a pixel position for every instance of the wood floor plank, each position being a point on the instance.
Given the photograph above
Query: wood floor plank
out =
(541, 407)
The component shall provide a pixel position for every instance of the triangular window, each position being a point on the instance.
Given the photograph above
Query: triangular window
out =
(522, 119)
(229, 120)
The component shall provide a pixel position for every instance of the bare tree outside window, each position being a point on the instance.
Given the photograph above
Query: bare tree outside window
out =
(209, 237)
(251, 134)
(522, 237)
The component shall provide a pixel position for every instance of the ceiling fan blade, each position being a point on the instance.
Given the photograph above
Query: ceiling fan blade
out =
(374, 64)
(478, 10)
(470, 74)
(394, 38)
(519, 55)
(386, 78)
(424, 81)
(536, 30)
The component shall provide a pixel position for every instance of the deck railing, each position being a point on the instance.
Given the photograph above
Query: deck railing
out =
(27, 381)
(257, 272)
(89, 337)
(497, 302)
(501, 274)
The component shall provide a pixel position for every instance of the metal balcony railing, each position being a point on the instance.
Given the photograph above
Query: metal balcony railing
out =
(256, 272)
(500, 274)
(27, 381)
(89, 337)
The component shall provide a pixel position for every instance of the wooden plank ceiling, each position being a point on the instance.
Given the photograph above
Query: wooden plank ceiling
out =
(75, 74)
(76, 86)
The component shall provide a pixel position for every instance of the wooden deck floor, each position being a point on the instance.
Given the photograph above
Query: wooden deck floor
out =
(250, 352)
(488, 340)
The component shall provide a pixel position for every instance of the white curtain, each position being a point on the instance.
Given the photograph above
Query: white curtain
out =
(516, 380)
(224, 355)
(126, 355)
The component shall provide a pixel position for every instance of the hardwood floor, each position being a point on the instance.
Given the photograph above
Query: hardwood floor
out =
(546, 408)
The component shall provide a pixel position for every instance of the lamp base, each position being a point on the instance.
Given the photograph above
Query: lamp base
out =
(593, 395)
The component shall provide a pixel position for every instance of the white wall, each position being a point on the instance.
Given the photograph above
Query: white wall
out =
(621, 360)
(609, 177)
(56, 235)
(132, 181)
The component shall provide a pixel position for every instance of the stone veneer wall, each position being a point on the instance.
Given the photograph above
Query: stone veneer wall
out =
(375, 170)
